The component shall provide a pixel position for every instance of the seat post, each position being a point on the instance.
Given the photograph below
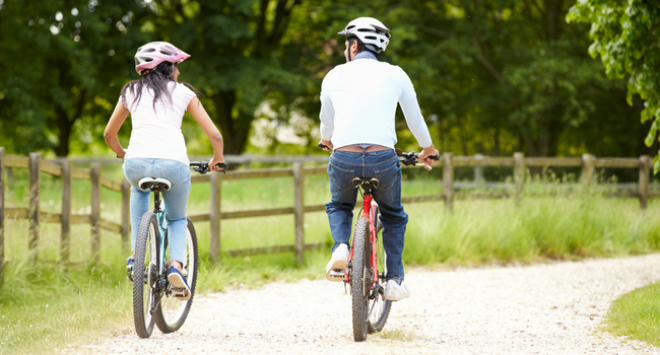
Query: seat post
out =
(156, 200)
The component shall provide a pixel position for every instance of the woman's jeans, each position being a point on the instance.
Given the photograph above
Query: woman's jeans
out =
(385, 166)
(176, 200)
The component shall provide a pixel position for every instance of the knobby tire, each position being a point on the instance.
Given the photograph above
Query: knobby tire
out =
(172, 325)
(360, 293)
(145, 242)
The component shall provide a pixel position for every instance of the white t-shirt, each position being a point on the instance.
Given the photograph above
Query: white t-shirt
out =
(157, 133)
(358, 104)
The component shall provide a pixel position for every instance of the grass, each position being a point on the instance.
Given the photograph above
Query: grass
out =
(637, 315)
(92, 300)
(396, 334)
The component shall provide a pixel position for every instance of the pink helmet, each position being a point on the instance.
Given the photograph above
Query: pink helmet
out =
(154, 53)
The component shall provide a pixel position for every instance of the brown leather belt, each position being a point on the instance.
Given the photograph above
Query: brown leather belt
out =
(358, 149)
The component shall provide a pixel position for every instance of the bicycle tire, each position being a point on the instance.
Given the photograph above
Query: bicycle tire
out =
(360, 291)
(172, 313)
(379, 307)
(145, 259)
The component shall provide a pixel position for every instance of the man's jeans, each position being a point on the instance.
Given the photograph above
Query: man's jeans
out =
(385, 166)
(176, 200)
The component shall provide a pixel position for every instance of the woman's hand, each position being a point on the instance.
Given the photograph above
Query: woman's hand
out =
(216, 160)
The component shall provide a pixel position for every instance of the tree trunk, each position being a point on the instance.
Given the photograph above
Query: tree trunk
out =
(235, 131)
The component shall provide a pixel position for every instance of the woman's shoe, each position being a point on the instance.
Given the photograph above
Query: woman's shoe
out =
(180, 288)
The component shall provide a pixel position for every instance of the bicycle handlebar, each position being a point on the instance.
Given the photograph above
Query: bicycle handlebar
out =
(410, 158)
(202, 167)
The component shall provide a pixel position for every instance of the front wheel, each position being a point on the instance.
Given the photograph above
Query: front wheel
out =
(145, 275)
(172, 313)
(360, 277)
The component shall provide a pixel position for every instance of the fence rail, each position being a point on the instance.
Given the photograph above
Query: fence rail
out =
(64, 168)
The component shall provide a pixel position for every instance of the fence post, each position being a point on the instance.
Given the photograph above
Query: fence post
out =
(448, 180)
(519, 174)
(478, 169)
(2, 216)
(587, 170)
(35, 159)
(65, 219)
(215, 215)
(299, 210)
(96, 211)
(644, 165)
(125, 216)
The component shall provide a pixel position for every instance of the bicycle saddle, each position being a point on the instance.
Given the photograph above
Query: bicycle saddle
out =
(368, 180)
(149, 183)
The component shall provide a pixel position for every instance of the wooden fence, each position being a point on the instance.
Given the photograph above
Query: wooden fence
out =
(65, 170)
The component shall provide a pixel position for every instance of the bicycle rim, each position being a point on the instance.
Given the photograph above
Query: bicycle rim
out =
(379, 307)
(172, 313)
(360, 291)
(145, 262)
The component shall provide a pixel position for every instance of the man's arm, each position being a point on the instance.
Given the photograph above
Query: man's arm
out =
(327, 116)
(415, 120)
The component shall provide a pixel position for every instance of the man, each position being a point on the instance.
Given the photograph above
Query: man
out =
(358, 105)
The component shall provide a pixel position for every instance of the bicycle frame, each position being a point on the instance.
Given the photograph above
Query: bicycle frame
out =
(369, 210)
(162, 228)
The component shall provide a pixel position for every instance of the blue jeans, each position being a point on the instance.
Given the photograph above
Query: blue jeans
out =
(385, 166)
(176, 200)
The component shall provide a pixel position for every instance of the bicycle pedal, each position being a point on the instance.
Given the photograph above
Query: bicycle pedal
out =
(337, 273)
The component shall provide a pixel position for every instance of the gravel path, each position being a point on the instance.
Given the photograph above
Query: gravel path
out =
(540, 309)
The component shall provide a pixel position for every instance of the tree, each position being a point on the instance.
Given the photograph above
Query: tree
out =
(60, 62)
(238, 51)
(625, 37)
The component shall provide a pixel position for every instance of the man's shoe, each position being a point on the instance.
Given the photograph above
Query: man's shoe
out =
(336, 268)
(396, 292)
(180, 288)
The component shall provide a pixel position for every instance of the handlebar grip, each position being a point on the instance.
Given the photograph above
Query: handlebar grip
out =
(323, 146)
(223, 166)
(433, 157)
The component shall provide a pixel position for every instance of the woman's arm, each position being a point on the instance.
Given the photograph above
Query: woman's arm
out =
(116, 121)
(199, 114)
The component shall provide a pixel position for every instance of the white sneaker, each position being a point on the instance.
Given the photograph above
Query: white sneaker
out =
(394, 292)
(336, 268)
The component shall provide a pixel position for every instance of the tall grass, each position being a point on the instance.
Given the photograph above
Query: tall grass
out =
(93, 298)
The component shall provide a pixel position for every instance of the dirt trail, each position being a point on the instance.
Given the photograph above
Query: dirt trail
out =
(541, 309)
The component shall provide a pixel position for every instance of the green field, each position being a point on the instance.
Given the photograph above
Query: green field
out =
(93, 299)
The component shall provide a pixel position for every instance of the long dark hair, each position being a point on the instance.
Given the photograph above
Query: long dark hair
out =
(156, 79)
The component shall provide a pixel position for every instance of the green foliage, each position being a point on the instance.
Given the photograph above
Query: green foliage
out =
(60, 63)
(491, 76)
(625, 37)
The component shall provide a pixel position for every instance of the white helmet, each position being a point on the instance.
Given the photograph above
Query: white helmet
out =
(370, 31)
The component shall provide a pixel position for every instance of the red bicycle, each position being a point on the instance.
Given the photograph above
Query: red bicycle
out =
(366, 268)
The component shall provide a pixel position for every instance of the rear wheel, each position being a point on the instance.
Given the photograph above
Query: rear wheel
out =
(145, 275)
(172, 313)
(379, 307)
(361, 279)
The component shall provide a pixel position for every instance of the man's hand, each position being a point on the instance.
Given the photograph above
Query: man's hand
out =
(425, 154)
(328, 144)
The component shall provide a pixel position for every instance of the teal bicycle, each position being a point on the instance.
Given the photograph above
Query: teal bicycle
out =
(153, 301)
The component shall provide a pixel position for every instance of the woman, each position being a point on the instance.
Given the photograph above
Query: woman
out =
(157, 103)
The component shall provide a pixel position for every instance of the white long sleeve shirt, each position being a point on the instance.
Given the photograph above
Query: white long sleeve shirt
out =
(358, 104)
